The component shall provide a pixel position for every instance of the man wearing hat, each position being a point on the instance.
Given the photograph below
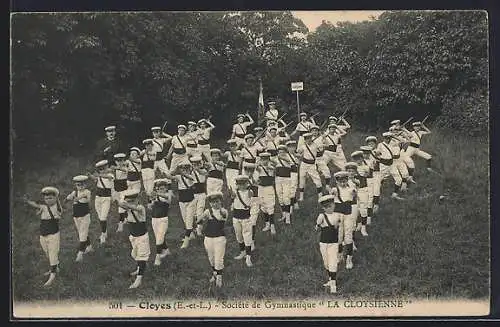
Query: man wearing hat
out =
(272, 112)
(363, 172)
(205, 128)
(159, 217)
(307, 167)
(215, 177)
(249, 171)
(266, 172)
(272, 140)
(303, 126)
(185, 181)
(371, 143)
(241, 127)
(321, 161)
(102, 201)
(369, 161)
(50, 214)
(148, 167)
(283, 182)
(384, 153)
(139, 236)
(120, 186)
(344, 196)
(199, 189)
(109, 145)
(160, 141)
(330, 142)
(294, 173)
(81, 198)
(233, 163)
(178, 151)
(215, 239)
(250, 149)
(242, 223)
(192, 131)
(328, 222)
(258, 132)
(419, 129)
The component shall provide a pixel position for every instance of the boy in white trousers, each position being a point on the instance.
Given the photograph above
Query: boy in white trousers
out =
(283, 182)
(160, 206)
(419, 130)
(215, 177)
(139, 236)
(363, 197)
(370, 162)
(159, 140)
(249, 171)
(185, 181)
(308, 166)
(200, 191)
(81, 198)
(242, 223)
(241, 127)
(148, 167)
(50, 213)
(205, 128)
(178, 150)
(267, 198)
(233, 162)
(102, 200)
(294, 174)
(134, 166)
(214, 219)
(371, 142)
(344, 196)
(120, 186)
(328, 222)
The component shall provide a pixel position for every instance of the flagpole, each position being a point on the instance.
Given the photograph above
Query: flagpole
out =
(260, 107)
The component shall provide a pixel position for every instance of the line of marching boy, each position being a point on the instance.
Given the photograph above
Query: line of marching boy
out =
(260, 169)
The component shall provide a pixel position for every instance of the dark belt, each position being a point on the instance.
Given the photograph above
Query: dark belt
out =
(203, 142)
(415, 145)
(179, 151)
(309, 161)
(249, 160)
(396, 156)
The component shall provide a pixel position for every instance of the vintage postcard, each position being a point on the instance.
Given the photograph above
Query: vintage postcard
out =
(258, 164)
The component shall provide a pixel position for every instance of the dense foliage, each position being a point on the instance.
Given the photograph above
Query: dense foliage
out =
(72, 74)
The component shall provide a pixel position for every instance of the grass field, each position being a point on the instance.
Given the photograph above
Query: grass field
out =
(418, 248)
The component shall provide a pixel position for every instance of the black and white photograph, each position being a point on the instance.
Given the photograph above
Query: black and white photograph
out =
(249, 164)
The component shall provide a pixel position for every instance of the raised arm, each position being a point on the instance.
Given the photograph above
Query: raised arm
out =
(250, 119)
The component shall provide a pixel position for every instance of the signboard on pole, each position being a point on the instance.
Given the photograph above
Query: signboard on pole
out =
(297, 86)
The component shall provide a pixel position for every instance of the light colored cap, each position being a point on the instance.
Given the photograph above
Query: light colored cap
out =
(371, 138)
(215, 150)
(357, 154)
(195, 159)
(365, 148)
(120, 156)
(241, 115)
(214, 195)
(417, 123)
(130, 194)
(387, 134)
(162, 181)
(101, 163)
(396, 121)
(291, 142)
(191, 123)
(307, 135)
(147, 141)
(351, 165)
(50, 190)
(242, 178)
(80, 178)
(302, 114)
(181, 126)
(184, 164)
(156, 128)
(110, 128)
(249, 136)
(231, 141)
(341, 174)
(326, 199)
(135, 149)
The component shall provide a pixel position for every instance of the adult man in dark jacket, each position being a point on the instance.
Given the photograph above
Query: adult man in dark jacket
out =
(109, 146)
